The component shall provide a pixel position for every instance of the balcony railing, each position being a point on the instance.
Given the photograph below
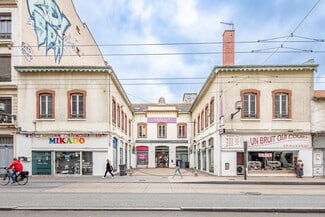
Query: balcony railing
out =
(5, 36)
(7, 118)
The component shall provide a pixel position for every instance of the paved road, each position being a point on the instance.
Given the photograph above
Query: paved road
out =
(147, 190)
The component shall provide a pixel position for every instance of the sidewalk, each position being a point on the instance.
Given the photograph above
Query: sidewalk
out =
(165, 175)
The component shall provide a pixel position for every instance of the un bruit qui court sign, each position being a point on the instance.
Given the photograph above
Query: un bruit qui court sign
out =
(279, 140)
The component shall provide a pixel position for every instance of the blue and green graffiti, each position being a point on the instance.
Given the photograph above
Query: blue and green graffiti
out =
(50, 25)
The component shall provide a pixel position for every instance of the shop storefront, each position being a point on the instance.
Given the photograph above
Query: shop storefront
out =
(182, 155)
(266, 154)
(142, 156)
(64, 154)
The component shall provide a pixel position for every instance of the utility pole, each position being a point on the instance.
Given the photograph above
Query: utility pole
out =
(245, 160)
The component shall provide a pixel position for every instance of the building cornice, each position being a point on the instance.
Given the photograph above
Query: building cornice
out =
(31, 69)
(244, 68)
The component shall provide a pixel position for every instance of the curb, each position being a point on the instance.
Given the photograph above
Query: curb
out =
(192, 182)
(180, 209)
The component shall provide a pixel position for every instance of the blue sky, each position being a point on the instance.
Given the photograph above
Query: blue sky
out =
(120, 22)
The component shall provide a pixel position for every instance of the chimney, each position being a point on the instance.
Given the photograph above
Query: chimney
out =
(228, 48)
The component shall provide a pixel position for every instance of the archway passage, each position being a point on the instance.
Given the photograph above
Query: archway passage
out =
(162, 156)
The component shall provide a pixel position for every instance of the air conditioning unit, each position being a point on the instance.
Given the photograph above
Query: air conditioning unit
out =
(240, 169)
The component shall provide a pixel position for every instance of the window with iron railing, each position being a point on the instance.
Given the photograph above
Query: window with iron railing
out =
(6, 115)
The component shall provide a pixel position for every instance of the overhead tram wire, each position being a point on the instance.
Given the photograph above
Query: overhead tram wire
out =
(276, 51)
(182, 53)
(273, 40)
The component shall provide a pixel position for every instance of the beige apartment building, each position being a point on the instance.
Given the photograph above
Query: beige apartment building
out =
(9, 20)
(267, 107)
(163, 132)
(71, 111)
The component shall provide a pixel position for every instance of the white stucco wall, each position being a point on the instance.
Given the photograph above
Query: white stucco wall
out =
(318, 115)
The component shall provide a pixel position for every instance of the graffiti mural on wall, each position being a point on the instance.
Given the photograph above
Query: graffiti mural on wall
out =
(50, 25)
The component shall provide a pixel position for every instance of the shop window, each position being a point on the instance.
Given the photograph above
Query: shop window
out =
(181, 130)
(211, 155)
(251, 103)
(67, 162)
(5, 70)
(5, 26)
(77, 104)
(281, 104)
(272, 162)
(45, 104)
(87, 165)
(142, 155)
(142, 130)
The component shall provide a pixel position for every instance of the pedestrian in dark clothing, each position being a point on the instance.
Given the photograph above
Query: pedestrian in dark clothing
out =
(109, 169)
(299, 169)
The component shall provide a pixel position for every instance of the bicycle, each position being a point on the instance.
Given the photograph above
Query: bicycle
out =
(21, 177)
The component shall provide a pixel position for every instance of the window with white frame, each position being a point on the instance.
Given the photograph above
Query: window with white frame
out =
(181, 133)
(5, 26)
(6, 110)
(46, 110)
(77, 104)
(162, 131)
(142, 130)
(249, 105)
(281, 105)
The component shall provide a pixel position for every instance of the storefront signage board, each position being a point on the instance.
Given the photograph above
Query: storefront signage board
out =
(162, 120)
(285, 141)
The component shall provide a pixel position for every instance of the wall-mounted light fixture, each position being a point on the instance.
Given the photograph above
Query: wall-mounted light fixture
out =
(237, 107)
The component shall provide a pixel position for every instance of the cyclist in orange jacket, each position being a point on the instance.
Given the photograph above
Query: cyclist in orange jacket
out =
(16, 166)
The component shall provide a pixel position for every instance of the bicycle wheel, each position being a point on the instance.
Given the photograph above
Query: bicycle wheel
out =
(22, 180)
(4, 179)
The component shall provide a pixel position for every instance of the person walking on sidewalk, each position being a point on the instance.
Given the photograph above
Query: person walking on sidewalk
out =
(178, 168)
(299, 168)
(109, 169)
